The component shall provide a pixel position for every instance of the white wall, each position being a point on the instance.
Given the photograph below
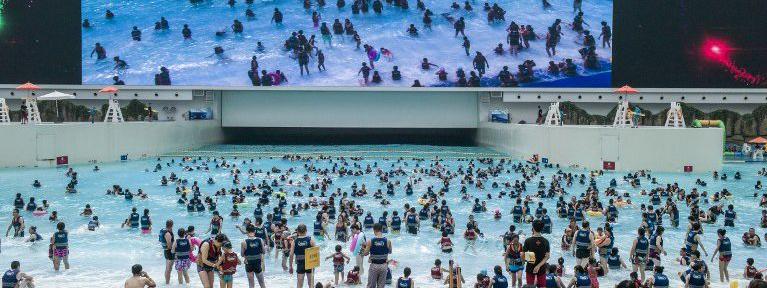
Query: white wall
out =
(182, 105)
(654, 148)
(34, 145)
(349, 109)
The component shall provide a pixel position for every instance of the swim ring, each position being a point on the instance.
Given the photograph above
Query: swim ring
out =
(621, 204)
(39, 213)
(423, 201)
(594, 213)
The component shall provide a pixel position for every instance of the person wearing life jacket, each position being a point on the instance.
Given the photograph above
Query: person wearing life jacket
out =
(412, 221)
(639, 251)
(614, 261)
(724, 249)
(656, 246)
(14, 277)
(658, 279)
(693, 239)
(498, 280)
(180, 249)
(445, 243)
(17, 224)
(253, 249)
(513, 260)
(379, 248)
(546, 222)
(166, 242)
(580, 279)
(208, 257)
(60, 243)
(436, 271)
(405, 281)
(552, 279)
(696, 278)
(730, 216)
(583, 248)
(298, 256)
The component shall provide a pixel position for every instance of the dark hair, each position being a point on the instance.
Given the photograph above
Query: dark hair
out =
(136, 269)
(15, 265)
(406, 272)
(169, 223)
(60, 226)
(338, 248)
(538, 226)
(181, 232)
(301, 229)
(377, 227)
(221, 238)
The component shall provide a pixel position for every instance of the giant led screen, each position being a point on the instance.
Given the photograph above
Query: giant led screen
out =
(351, 43)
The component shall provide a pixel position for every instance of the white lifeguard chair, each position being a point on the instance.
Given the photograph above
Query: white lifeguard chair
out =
(553, 116)
(33, 112)
(674, 117)
(5, 116)
(622, 118)
(114, 114)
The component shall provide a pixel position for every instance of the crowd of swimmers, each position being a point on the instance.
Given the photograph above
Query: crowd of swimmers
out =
(303, 48)
(271, 234)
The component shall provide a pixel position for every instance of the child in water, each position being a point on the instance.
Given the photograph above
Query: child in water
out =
(228, 265)
(338, 263)
(353, 277)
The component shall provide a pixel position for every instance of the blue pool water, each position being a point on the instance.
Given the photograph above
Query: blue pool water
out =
(103, 258)
(190, 61)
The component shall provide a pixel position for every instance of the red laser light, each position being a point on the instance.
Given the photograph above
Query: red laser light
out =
(716, 49)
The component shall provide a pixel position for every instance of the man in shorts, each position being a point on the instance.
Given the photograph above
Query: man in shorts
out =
(535, 269)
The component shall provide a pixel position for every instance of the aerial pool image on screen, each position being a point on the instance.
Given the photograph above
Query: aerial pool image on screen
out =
(214, 43)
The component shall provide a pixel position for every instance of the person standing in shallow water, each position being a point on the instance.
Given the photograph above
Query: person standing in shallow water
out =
(208, 259)
(60, 246)
(166, 242)
(379, 248)
(535, 269)
(298, 254)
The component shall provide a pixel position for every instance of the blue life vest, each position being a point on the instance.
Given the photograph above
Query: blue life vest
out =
(379, 250)
(642, 247)
(404, 283)
(614, 261)
(412, 221)
(145, 222)
(697, 279)
(500, 281)
(182, 249)
(660, 281)
(582, 239)
(10, 278)
(551, 281)
(161, 238)
(61, 239)
(690, 241)
(301, 244)
(582, 281)
(134, 220)
(725, 247)
(396, 223)
(253, 249)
